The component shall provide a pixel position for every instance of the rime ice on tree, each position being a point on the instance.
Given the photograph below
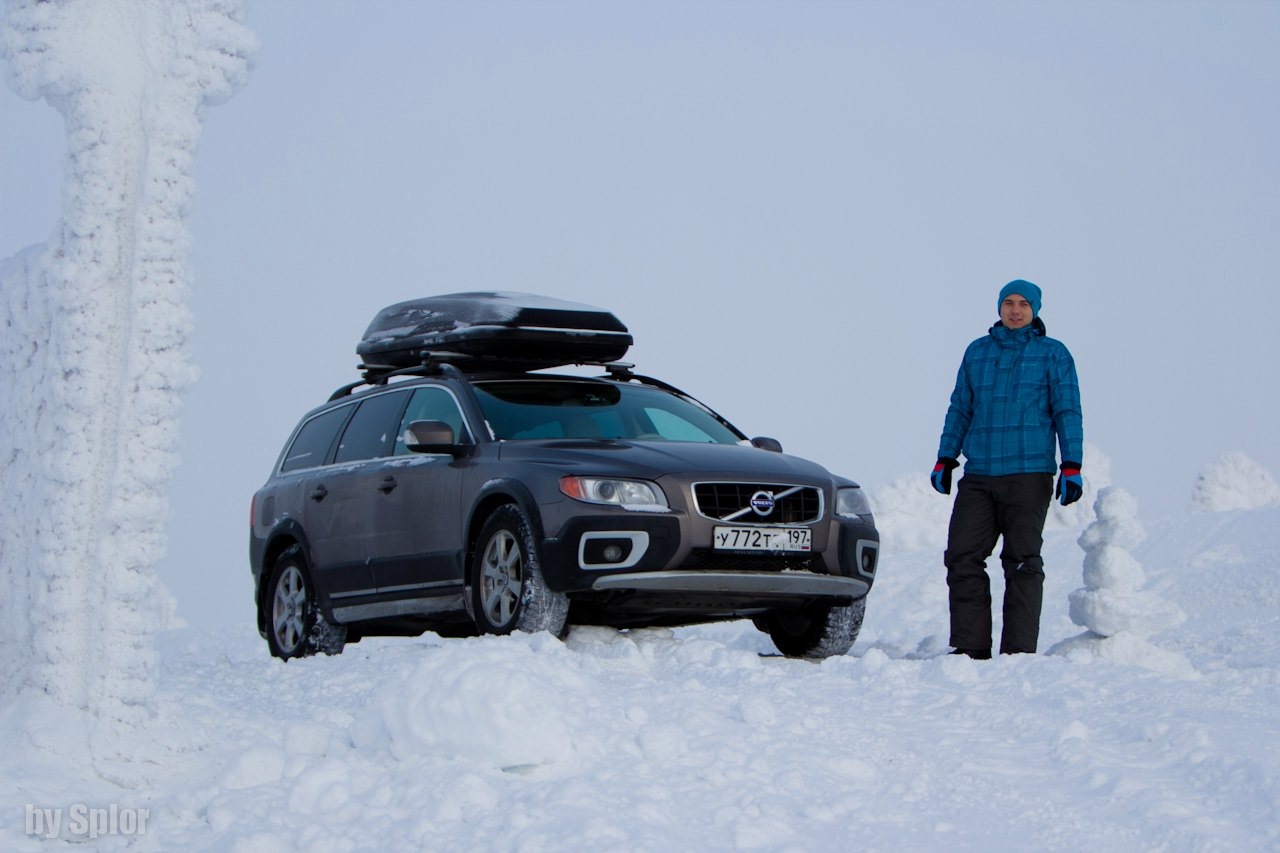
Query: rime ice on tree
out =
(1118, 614)
(1233, 481)
(94, 355)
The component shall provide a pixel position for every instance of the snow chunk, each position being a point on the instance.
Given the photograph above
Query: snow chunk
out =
(1108, 612)
(258, 765)
(1111, 567)
(1234, 481)
(910, 515)
(493, 701)
(1125, 649)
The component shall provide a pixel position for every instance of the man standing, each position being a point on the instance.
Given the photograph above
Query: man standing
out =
(1016, 393)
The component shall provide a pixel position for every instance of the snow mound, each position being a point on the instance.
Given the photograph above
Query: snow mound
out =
(1126, 650)
(1234, 481)
(910, 515)
(487, 702)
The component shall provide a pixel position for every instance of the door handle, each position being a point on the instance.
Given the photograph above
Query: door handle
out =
(388, 484)
(318, 493)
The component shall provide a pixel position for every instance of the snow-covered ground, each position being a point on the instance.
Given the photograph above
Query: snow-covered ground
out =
(700, 739)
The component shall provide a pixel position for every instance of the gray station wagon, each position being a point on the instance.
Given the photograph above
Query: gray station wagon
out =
(460, 487)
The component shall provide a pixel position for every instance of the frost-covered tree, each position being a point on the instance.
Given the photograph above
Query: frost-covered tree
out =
(94, 352)
(1233, 481)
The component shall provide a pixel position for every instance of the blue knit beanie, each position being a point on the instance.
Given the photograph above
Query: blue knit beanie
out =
(1026, 290)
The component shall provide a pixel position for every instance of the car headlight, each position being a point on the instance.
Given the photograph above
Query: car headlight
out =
(604, 490)
(852, 502)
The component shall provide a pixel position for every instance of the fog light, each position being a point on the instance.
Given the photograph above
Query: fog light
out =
(867, 553)
(602, 551)
(612, 549)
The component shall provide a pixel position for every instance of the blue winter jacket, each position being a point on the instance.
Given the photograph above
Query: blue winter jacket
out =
(1016, 390)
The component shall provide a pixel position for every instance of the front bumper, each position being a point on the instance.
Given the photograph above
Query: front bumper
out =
(800, 585)
(670, 543)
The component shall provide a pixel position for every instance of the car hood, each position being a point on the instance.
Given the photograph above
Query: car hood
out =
(654, 459)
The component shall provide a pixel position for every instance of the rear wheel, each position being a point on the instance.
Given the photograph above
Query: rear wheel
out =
(295, 626)
(508, 591)
(815, 632)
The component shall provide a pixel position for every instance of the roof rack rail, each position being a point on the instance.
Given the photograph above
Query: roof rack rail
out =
(433, 364)
(622, 372)
(438, 363)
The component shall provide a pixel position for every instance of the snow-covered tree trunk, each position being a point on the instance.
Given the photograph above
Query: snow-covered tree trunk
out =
(95, 352)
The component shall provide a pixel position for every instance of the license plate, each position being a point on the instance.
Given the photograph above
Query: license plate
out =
(761, 539)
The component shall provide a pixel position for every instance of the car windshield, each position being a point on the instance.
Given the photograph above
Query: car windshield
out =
(567, 408)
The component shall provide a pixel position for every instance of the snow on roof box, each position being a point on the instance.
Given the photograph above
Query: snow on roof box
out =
(506, 330)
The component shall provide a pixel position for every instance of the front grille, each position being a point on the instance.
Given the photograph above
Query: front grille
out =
(732, 502)
(709, 559)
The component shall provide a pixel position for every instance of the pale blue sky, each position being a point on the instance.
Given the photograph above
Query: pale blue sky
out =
(804, 211)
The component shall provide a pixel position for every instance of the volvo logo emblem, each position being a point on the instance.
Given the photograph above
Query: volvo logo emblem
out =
(762, 503)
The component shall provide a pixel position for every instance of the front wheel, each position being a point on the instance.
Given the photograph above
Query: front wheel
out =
(508, 591)
(295, 626)
(815, 632)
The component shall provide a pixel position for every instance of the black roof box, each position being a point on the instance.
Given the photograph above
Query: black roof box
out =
(498, 330)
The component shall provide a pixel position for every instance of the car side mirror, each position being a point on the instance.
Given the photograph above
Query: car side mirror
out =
(431, 437)
(765, 443)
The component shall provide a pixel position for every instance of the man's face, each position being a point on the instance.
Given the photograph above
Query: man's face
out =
(1015, 311)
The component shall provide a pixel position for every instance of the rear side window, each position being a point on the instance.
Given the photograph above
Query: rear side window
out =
(312, 443)
(371, 433)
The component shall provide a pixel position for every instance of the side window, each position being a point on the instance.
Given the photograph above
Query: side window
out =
(313, 441)
(431, 404)
(370, 433)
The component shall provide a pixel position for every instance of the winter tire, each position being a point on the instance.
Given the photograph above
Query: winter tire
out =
(295, 626)
(815, 632)
(508, 592)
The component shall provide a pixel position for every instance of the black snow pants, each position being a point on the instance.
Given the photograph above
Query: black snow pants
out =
(1013, 506)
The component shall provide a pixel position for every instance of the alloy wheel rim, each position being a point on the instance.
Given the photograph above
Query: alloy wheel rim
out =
(288, 609)
(501, 576)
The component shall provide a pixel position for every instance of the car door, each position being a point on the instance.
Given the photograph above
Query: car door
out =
(422, 522)
(305, 464)
(342, 505)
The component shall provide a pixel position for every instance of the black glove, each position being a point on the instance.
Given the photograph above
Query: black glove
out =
(941, 476)
(1070, 486)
